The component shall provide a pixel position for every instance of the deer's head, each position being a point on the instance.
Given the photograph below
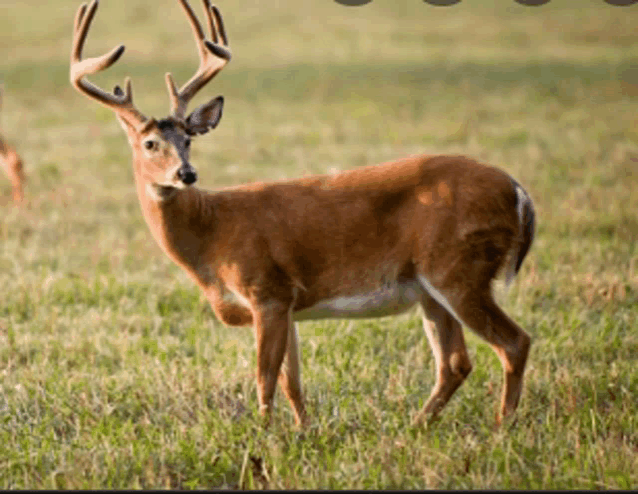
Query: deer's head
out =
(160, 147)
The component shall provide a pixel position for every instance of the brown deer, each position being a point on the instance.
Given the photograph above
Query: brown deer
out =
(12, 164)
(374, 241)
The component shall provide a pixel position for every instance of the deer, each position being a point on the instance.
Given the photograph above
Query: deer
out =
(426, 230)
(12, 164)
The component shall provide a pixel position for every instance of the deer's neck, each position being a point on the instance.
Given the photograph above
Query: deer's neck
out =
(182, 224)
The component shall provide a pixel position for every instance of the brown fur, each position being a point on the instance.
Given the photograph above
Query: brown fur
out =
(11, 162)
(12, 165)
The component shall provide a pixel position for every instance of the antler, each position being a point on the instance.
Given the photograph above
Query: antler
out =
(120, 102)
(213, 56)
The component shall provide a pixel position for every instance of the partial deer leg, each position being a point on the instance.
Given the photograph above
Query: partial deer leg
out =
(13, 168)
(16, 176)
(290, 375)
(271, 325)
(453, 365)
(509, 341)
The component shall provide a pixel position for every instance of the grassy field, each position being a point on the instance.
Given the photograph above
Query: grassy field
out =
(114, 373)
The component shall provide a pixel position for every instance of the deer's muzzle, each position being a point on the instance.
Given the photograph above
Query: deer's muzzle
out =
(187, 174)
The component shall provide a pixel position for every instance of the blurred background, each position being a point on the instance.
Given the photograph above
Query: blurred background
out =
(549, 93)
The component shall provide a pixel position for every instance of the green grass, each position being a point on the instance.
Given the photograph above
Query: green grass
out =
(114, 373)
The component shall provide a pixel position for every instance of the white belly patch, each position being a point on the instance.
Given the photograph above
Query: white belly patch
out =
(386, 301)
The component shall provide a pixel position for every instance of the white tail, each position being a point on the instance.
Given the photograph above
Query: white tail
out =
(427, 230)
(526, 218)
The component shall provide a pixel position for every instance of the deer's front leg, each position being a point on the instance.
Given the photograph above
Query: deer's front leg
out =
(232, 314)
(290, 376)
(228, 312)
(271, 323)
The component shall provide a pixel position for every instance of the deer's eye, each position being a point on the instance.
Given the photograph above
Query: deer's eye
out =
(187, 143)
(150, 145)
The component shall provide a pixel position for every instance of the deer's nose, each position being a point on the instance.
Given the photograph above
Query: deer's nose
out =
(187, 174)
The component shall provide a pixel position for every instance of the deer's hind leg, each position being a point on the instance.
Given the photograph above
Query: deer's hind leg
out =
(476, 308)
(453, 365)
(481, 313)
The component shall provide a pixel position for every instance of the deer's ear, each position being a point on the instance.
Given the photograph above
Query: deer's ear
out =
(205, 117)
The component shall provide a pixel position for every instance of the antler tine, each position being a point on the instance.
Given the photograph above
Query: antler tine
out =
(213, 56)
(76, 48)
(122, 104)
(197, 27)
(218, 22)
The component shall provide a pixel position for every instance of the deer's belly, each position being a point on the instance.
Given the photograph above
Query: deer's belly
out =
(386, 301)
